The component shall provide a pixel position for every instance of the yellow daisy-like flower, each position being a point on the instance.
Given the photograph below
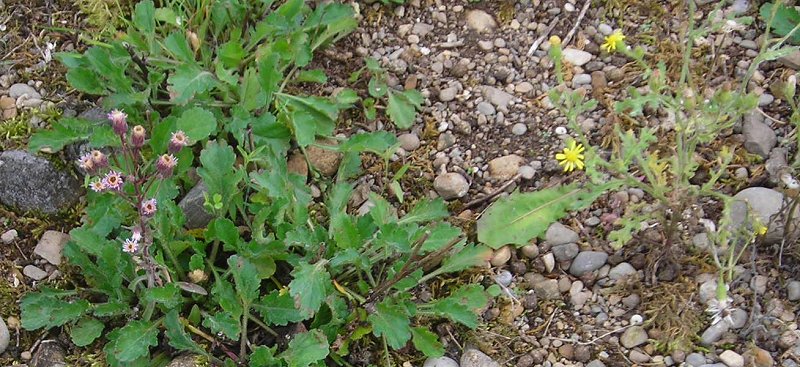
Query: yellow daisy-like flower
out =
(571, 158)
(759, 229)
(555, 41)
(612, 41)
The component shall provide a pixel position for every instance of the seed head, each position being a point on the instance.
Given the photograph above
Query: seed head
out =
(166, 163)
(178, 141)
(137, 136)
(99, 159)
(113, 181)
(149, 207)
(119, 121)
(86, 163)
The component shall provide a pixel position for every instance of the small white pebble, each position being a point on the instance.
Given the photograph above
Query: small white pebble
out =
(561, 130)
(636, 320)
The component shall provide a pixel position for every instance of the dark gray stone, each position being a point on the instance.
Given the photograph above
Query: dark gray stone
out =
(192, 206)
(587, 261)
(565, 252)
(49, 354)
(31, 183)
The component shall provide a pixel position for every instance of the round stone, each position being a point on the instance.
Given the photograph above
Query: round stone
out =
(519, 129)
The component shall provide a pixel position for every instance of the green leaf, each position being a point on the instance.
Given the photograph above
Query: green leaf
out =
(224, 230)
(391, 322)
(467, 257)
(306, 348)
(264, 357)
(277, 309)
(45, 310)
(786, 17)
(197, 123)
(376, 142)
(313, 76)
(225, 323)
(425, 211)
(403, 106)
(188, 81)
(168, 295)
(177, 336)
(178, 46)
(144, 17)
(427, 342)
(86, 81)
(231, 53)
(519, 217)
(461, 306)
(111, 309)
(70, 130)
(245, 276)
(309, 286)
(86, 331)
(134, 340)
(269, 75)
(440, 236)
(218, 170)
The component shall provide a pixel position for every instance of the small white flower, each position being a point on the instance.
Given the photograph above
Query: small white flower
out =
(720, 310)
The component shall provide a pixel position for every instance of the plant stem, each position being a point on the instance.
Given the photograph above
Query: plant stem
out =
(243, 338)
(262, 325)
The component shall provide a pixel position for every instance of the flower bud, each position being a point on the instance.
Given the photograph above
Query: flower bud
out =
(178, 141)
(165, 164)
(99, 159)
(555, 41)
(87, 164)
(198, 276)
(119, 121)
(137, 136)
(193, 40)
(148, 207)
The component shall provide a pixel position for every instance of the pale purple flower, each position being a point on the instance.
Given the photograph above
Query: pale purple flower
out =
(119, 121)
(165, 164)
(136, 235)
(149, 207)
(113, 181)
(97, 186)
(130, 246)
(86, 163)
(178, 141)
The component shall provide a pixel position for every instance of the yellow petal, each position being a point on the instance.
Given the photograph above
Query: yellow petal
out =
(579, 156)
(561, 156)
(579, 164)
(580, 148)
(562, 162)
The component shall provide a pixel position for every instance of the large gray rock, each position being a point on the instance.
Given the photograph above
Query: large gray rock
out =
(50, 246)
(31, 183)
(587, 261)
(192, 206)
(764, 203)
(19, 90)
(480, 21)
(559, 234)
(5, 336)
(49, 354)
(451, 185)
(476, 358)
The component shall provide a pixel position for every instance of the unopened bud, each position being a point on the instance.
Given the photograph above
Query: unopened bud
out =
(193, 40)
(198, 276)
(99, 159)
(119, 121)
(137, 136)
(178, 141)
(166, 164)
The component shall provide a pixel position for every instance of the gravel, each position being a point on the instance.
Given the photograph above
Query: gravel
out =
(587, 261)
(440, 362)
(731, 359)
(409, 142)
(793, 290)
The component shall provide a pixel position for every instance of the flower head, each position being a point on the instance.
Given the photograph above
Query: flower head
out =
(113, 180)
(720, 309)
(149, 207)
(97, 186)
(613, 41)
(571, 158)
(99, 159)
(555, 41)
(119, 121)
(130, 245)
(137, 136)
(86, 163)
(165, 164)
(759, 229)
(178, 141)
(136, 234)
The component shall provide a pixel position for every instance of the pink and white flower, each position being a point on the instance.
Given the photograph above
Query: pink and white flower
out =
(119, 121)
(113, 181)
(136, 235)
(130, 246)
(99, 159)
(165, 164)
(149, 207)
(97, 186)
(178, 141)
(86, 163)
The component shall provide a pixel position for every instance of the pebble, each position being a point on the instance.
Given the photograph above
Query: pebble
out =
(592, 221)
(486, 45)
(581, 79)
(501, 256)
(326, 161)
(440, 362)
(748, 44)
(731, 359)
(50, 246)
(476, 358)
(34, 272)
(409, 142)
(5, 336)
(765, 99)
(638, 357)
(596, 363)
(587, 261)
(549, 262)
(527, 172)
(480, 21)
(714, 333)
(451, 185)
(547, 289)
(497, 97)
(448, 94)
(759, 138)
(559, 234)
(793, 290)
(739, 318)
(633, 336)
(19, 89)
(192, 206)
(523, 87)
(695, 359)
(504, 168)
(565, 252)
(622, 270)
(759, 284)
(764, 203)
(504, 277)
(605, 29)
(486, 109)
(576, 57)
(519, 129)
(9, 236)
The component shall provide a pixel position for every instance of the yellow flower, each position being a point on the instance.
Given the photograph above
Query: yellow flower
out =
(612, 41)
(572, 157)
(759, 229)
(555, 40)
